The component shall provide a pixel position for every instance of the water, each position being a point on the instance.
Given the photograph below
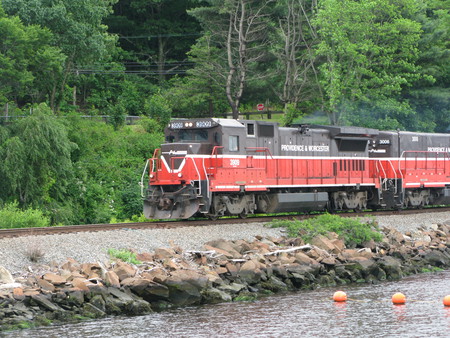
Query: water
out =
(368, 313)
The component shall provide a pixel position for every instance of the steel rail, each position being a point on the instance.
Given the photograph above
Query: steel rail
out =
(55, 230)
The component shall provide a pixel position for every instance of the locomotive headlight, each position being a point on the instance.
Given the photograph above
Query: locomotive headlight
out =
(180, 175)
(151, 176)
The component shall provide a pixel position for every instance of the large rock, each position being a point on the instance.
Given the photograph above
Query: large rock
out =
(91, 311)
(124, 270)
(157, 274)
(45, 285)
(181, 292)
(185, 286)
(164, 253)
(98, 302)
(91, 270)
(213, 296)
(44, 302)
(391, 266)
(5, 276)
(437, 258)
(250, 272)
(227, 246)
(82, 284)
(324, 243)
(302, 258)
(146, 288)
(145, 257)
(54, 278)
(70, 265)
(274, 284)
(111, 279)
(218, 251)
(139, 307)
(197, 279)
(233, 288)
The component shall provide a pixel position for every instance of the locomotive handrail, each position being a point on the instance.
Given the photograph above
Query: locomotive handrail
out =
(260, 150)
(141, 183)
(395, 175)
(207, 180)
(198, 174)
(384, 172)
(405, 152)
(155, 158)
(215, 153)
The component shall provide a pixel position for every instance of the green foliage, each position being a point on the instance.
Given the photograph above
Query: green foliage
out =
(28, 61)
(108, 165)
(352, 230)
(36, 167)
(370, 48)
(431, 269)
(291, 113)
(11, 216)
(124, 255)
(78, 32)
(158, 108)
(246, 297)
(117, 115)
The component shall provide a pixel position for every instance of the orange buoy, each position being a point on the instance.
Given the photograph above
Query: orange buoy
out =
(340, 296)
(398, 298)
(447, 300)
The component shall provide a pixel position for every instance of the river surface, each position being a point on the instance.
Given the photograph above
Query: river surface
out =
(369, 312)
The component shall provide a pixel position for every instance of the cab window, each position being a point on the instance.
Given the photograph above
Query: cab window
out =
(250, 129)
(193, 135)
(233, 143)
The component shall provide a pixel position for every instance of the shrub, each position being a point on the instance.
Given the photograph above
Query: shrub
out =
(352, 230)
(34, 253)
(124, 255)
(13, 217)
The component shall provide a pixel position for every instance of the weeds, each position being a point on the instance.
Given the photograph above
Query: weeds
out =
(124, 255)
(352, 230)
(34, 252)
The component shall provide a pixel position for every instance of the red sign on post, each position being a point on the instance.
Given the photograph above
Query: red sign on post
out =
(260, 107)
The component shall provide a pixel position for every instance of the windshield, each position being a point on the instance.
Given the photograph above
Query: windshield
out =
(194, 135)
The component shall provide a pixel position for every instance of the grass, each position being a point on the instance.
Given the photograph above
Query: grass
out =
(431, 269)
(124, 255)
(353, 231)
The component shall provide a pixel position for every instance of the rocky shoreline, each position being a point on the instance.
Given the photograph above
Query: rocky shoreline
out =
(223, 271)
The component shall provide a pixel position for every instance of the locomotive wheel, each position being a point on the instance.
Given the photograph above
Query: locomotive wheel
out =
(243, 215)
(212, 217)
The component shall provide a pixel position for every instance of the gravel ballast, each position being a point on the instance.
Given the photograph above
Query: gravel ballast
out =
(93, 246)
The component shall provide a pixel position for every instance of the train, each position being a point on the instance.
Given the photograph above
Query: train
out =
(215, 167)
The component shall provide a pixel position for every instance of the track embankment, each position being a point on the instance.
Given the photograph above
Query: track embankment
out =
(222, 270)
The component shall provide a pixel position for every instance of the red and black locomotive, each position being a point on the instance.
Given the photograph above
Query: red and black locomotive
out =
(219, 167)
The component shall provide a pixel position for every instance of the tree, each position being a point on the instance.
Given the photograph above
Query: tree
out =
(294, 50)
(238, 29)
(156, 34)
(28, 61)
(158, 109)
(36, 168)
(369, 49)
(77, 30)
(200, 92)
(430, 96)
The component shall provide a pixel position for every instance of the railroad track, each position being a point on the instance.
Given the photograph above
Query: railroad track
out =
(58, 230)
